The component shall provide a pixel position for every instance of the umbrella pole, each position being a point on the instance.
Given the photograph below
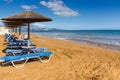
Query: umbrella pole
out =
(16, 30)
(28, 30)
(13, 30)
(19, 30)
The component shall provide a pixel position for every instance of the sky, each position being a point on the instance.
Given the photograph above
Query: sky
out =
(68, 14)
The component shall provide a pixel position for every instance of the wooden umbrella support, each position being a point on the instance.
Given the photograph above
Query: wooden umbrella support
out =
(19, 30)
(28, 30)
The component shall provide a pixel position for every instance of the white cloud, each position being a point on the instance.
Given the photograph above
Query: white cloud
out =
(38, 25)
(8, 0)
(59, 8)
(29, 7)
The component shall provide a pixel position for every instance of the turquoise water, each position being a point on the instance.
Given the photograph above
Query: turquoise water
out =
(109, 37)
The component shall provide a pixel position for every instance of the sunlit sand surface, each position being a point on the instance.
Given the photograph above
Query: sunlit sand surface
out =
(70, 61)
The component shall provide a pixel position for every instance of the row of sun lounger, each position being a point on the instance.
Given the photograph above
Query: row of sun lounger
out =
(19, 54)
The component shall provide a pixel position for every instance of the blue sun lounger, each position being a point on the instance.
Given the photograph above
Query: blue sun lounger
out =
(7, 35)
(17, 50)
(11, 38)
(20, 51)
(26, 57)
(20, 44)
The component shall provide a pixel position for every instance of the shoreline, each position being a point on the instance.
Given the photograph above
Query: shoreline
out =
(89, 43)
(98, 45)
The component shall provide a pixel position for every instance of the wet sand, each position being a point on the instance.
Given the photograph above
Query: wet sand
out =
(99, 45)
(70, 61)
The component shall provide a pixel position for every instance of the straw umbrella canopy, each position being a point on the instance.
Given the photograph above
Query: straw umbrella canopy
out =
(27, 17)
(12, 22)
(10, 27)
(14, 26)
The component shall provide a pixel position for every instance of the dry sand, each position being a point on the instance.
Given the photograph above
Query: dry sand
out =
(70, 61)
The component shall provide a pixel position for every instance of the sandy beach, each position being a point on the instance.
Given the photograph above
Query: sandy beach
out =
(70, 61)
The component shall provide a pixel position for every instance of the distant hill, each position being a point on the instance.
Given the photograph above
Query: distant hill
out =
(40, 29)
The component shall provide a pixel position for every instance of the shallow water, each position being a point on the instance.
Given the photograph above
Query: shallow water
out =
(101, 37)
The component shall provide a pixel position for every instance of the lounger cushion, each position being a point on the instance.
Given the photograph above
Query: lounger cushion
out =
(24, 56)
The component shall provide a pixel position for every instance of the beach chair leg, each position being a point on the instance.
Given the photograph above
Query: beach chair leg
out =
(45, 61)
(5, 63)
(44, 50)
(8, 38)
(13, 54)
(19, 66)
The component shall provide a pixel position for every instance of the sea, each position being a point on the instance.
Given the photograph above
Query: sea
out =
(101, 38)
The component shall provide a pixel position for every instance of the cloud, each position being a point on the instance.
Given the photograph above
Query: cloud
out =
(59, 8)
(29, 7)
(8, 0)
(38, 25)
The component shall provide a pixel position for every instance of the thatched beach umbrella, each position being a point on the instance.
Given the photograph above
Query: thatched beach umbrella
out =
(14, 23)
(10, 27)
(27, 17)
(15, 26)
